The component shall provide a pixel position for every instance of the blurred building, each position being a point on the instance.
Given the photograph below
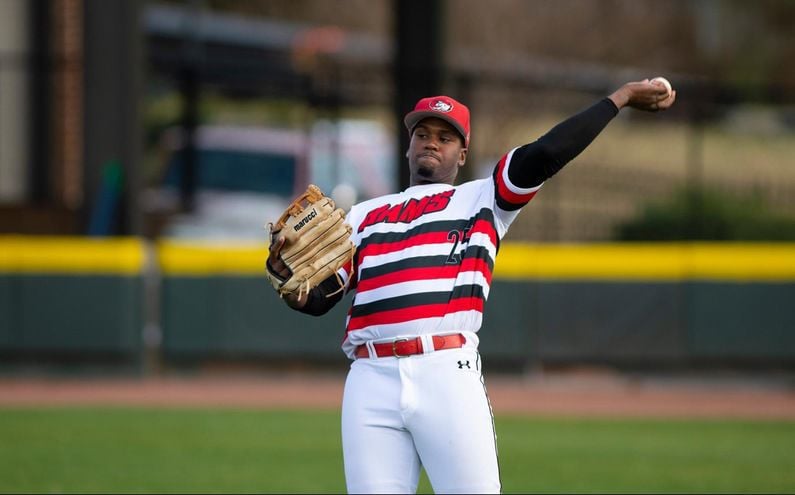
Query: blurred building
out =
(87, 87)
(69, 106)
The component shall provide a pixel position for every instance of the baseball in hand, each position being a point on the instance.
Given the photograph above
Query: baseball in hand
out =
(664, 82)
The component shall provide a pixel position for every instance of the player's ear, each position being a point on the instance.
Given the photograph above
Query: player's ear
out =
(462, 157)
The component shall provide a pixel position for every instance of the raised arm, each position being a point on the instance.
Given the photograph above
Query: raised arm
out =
(536, 162)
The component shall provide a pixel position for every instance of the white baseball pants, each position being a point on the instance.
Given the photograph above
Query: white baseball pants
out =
(428, 410)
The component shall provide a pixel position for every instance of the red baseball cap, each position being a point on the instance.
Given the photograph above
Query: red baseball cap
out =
(442, 107)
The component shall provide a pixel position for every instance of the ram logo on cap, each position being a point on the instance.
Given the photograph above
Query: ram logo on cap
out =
(441, 106)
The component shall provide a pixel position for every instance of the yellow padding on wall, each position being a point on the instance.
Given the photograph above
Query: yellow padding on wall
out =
(186, 259)
(626, 261)
(639, 261)
(71, 255)
(629, 261)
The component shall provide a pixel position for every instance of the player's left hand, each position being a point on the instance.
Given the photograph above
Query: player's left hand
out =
(309, 243)
(644, 95)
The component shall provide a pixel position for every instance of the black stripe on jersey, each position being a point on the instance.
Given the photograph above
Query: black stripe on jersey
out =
(438, 226)
(421, 299)
(402, 264)
(425, 228)
(474, 251)
(390, 237)
(504, 204)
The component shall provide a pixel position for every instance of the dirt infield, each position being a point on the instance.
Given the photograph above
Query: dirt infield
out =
(560, 395)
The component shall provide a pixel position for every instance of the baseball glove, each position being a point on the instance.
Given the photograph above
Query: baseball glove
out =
(317, 242)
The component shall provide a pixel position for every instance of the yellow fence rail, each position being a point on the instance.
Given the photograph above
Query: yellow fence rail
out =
(616, 261)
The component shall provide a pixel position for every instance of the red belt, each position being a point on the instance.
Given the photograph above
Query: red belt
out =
(408, 347)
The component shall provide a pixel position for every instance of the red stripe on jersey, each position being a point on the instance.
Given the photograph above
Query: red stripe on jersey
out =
(415, 240)
(476, 265)
(502, 187)
(427, 273)
(481, 226)
(485, 227)
(350, 312)
(348, 267)
(416, 313)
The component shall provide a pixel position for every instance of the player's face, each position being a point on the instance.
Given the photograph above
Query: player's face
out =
(436, 152)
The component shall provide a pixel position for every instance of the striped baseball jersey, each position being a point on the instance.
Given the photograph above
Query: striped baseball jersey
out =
(425, 257)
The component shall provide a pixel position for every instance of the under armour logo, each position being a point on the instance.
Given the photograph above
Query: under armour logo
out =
(461, 365)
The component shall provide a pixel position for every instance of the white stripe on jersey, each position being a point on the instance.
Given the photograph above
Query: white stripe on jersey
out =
(405, 288)
(477, 239)
(474, 278)
(449, 323)
(423, 286)
(510, 185)
(410, 252)
(483, 240)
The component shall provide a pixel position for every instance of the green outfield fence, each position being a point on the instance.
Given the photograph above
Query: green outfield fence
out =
(650, 304)
(73, 296)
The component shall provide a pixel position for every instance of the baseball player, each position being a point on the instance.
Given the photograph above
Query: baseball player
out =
(415, 395)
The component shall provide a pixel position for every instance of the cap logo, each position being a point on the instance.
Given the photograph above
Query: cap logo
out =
(441, 106)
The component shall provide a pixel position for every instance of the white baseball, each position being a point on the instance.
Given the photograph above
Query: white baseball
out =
(664, 82)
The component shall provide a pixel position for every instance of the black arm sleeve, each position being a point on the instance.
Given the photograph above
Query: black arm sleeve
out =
(536, 162)
(318, 301)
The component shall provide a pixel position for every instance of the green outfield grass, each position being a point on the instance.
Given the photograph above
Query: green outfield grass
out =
(121, 450)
